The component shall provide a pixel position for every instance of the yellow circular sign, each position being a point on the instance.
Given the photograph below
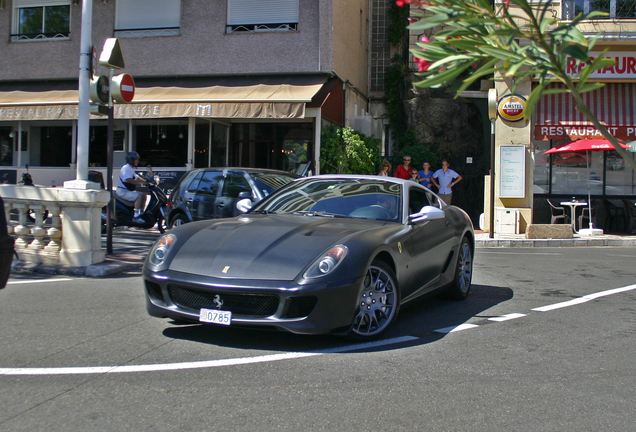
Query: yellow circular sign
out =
(512, 107)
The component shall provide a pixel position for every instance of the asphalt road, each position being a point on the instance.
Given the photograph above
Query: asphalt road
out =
(545, 342)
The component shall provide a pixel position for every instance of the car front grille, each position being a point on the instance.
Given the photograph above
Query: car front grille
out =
(301, 306)
(241, 305)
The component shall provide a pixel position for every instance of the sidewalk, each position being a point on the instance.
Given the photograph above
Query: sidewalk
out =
(483, 239)
(130, 247)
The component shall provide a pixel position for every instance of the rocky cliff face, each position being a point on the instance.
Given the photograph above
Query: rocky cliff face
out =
(451, 127)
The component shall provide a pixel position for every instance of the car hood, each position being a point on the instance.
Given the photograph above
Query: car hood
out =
(265, 247)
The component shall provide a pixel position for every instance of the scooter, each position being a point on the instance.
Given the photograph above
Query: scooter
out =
(155, 213)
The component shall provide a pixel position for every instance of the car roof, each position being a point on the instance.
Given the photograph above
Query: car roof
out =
(364, 177)
(248, 170)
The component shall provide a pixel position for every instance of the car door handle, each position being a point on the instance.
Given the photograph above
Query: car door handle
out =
(189, 201)
(221, 205)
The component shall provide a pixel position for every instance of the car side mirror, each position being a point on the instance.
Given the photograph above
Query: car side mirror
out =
(244, 205)
(243, 195)
(426, 214)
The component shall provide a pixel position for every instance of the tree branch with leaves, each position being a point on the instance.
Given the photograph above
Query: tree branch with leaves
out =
(471, 39)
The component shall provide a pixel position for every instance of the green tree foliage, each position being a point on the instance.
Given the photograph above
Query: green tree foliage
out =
(345, 151)
(516, 39)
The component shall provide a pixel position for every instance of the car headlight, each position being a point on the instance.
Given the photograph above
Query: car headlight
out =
(160, 250)
(327, 262)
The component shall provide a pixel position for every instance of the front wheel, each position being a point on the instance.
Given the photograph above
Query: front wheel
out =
(460, 287)
(378, 303)
(178, 220)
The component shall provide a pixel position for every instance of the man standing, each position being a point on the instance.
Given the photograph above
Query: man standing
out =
(404, 171)
(127, 184)
(444, 179)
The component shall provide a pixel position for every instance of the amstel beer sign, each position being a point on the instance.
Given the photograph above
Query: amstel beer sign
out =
(511, 108)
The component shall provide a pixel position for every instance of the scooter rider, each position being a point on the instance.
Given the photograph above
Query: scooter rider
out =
(127, 184)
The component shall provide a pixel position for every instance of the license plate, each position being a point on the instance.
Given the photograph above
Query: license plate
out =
(215, 316)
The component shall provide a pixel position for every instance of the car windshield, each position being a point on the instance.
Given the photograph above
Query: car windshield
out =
(356, 198)
(269, 182)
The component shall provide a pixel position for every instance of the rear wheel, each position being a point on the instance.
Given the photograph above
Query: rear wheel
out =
(378, 303)
(178, 220)
(460, 287)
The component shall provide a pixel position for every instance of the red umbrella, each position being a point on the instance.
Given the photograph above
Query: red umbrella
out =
(585, 145)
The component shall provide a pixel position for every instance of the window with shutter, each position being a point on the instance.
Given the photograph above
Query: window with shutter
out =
(262, 16)
(141, 18)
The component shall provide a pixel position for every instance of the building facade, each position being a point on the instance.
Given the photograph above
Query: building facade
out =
(217, 82)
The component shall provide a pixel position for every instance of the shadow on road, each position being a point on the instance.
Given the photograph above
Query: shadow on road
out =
(420, 319)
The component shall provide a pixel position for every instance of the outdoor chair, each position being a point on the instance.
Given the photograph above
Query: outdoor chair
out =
(615, 216)
(558, 214)
(630, 207)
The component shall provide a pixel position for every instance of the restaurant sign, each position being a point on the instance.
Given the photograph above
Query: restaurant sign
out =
(558, 132)
(625, 66)
(511, 108)
(264, 110)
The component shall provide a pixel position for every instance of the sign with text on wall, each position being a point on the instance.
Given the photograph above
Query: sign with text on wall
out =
(512, 171)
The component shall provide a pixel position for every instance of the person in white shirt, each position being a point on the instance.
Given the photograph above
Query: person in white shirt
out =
(128, 181)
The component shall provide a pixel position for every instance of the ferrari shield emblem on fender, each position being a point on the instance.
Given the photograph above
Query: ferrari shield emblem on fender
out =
(400, 247)
(225, 269)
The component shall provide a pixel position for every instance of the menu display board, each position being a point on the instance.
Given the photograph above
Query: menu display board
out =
(512, 172)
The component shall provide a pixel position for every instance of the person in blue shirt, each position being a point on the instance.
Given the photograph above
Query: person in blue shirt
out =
(425, 175)
(444, 179)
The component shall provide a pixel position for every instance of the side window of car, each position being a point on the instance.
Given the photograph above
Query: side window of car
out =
(417, 200)
(194, 184)
(433, 200)
(235, 183)
(209, 184)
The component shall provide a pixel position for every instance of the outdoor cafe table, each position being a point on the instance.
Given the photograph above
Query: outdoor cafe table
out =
(573, 205)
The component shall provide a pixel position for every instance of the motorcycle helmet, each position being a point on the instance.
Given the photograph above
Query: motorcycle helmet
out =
(130, 157)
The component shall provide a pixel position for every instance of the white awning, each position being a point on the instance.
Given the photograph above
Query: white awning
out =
(265, 98)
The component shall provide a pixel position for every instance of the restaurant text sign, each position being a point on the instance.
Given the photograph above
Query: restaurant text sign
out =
(625, 66)
(557, 132)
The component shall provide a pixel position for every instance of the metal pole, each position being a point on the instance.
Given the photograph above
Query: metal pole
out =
(492, 178)
(110, 213)
(83, 122)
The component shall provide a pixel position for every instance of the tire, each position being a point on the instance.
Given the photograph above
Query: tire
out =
(378, 303)
(460, 287)
(179, 219)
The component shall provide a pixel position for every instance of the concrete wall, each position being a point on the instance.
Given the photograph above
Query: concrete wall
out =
(351, 41)
(203, 48)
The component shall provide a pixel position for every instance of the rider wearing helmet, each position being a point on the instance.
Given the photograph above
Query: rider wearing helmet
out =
(127, 184)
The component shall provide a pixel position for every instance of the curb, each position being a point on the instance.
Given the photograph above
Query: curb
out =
(575, 242)
(93, 271)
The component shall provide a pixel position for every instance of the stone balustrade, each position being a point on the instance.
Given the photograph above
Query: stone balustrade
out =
(73, 235)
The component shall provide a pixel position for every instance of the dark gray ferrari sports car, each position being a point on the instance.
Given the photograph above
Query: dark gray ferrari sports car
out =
(327, 254)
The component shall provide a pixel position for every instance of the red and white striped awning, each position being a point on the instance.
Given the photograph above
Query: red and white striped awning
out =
(556, 116)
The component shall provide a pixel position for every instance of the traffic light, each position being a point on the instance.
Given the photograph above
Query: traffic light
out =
(99, 95)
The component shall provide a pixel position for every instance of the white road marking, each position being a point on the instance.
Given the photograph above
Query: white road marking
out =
(507, 317)
(456, 328)
(37, 281)
(584, 299)
(199, 364)
(285, 356)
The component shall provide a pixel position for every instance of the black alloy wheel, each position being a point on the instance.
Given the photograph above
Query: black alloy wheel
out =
(378, 303)
(460, 287)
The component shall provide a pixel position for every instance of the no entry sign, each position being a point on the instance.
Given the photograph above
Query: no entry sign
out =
(123, 88)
